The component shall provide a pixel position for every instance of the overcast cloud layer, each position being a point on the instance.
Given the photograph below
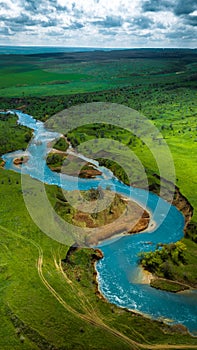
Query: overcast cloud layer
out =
(99, 23)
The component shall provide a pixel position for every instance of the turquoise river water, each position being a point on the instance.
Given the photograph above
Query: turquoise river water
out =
(118, 272)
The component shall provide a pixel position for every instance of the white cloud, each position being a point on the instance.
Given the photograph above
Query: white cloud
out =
(117, 23)
(194, 13)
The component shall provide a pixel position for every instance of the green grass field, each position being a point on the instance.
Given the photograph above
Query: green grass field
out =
(57, 75)
(43, 306)
(48, 305)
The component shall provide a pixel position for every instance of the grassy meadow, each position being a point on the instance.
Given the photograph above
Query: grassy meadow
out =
(45, 307)
(47, 304)
(59, 74)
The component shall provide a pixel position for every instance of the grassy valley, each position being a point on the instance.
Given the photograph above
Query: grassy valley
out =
(49, 296)
(40, 294)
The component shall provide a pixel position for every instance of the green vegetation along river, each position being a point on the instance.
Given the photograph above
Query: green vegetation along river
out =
(119, 267)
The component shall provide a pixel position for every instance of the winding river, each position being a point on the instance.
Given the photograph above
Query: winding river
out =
(118, 272)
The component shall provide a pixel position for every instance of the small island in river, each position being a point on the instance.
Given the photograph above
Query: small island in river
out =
(60, 161)
(20, 160)
(105, 215)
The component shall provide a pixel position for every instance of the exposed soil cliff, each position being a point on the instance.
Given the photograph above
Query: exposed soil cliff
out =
(179, 200)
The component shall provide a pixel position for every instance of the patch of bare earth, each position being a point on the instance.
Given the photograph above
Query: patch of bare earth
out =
(120, 217)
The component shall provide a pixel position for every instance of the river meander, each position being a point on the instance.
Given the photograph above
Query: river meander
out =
(118, 272)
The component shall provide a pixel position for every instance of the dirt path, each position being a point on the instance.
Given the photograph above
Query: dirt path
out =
(176, 282)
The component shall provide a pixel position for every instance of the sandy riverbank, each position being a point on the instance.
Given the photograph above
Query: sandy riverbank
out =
(20, 160)
(134, 220)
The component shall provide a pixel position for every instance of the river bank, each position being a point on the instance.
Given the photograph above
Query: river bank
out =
(167, 284)
(179, 200)
(62, 161)
(103, 214)
(166, 324)
(120, 257)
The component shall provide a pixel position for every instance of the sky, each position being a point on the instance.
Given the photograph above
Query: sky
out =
(99, 23)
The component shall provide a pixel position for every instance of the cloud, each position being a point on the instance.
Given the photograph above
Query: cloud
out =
(109, 21)
(73, 26)
(181, 34)
(31, 5)
(155, 5)
(25, 20)
(142, 22)
(185, 7)
(4, 6)
(118, 23)
(186, 12)
(55, 33)
(191, 20)
(6, 31)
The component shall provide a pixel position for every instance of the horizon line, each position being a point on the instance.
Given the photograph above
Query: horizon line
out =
(99, 47)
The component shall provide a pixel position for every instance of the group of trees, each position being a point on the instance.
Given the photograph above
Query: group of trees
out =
(61, 144)
(191, 231)
(12, 135)
(55, 159)
(116, 169)
(161, 261)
